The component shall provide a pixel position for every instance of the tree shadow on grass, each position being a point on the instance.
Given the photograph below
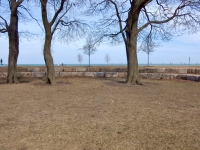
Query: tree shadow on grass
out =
(122, 83)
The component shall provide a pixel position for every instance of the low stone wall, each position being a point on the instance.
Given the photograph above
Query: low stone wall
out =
(192, 74)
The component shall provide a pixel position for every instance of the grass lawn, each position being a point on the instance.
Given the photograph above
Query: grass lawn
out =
(99, 114)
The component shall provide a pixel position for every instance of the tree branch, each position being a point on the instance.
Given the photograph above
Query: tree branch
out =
(57, 12)
(175, 14)
(120, 21)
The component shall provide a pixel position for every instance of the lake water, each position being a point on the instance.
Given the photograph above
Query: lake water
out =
(104, 65)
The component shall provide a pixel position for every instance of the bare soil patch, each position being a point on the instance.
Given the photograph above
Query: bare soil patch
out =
(99, 114)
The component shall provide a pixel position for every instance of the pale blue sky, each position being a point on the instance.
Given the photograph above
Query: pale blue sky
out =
(176, 51)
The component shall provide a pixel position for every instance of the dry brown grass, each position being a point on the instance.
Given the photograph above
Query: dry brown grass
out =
(99, 114)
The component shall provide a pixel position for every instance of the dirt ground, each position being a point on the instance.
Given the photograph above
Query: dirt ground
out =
(99, 114)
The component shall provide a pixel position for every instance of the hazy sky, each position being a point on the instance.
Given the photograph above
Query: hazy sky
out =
(176, 51)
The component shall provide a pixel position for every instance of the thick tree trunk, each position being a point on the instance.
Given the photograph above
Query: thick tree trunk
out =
(131, 47)
(13, 47)
(132, 70)
(50, 75)
(89, 60)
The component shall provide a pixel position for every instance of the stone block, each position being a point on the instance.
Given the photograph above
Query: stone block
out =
(24, 74)
(94, 74)
(160, 70)
(78, 74)
(170, 70)
(151, 70)
(81, 69)
(43, 69)
(193, 78)
(198, 71)
(122, 74)
(182, 70)
(181, 76)
(65, 74)
(143, 75)
(117, 70)
(111, 74)
(168, 76)
(33, 69)
(154, 76)
(89, 74)
(189, 70)
(22, 69)
(57, 74)
(106, 69)
(69, 69)
(99, 74)
(3, 74)
(38, 74)
(58, 69)
(93, 69)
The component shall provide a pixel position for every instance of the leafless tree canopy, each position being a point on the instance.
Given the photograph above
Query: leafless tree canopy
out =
(89, 48)
(161, 19)
(107, 58)
(130, 21)
(80, 58)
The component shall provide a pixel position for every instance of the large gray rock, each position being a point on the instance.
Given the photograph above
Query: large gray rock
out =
(65, 74)
(94, 69)
(122, 74)
(24, 74)
(33, 69)
(38, 74)
(3, 74)
(58, 69)
(181, 76)
(69, 69)
(81, 69)
(57, 74)
(193, 78)
(170, 70)
(151, 70)
(78, 74)
(182, 70)
(168, 76)
(111, 74)
(143, 75)
(94, 74)
(154, 76)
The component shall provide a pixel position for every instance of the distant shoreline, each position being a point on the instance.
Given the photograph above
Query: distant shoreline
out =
(105, 65)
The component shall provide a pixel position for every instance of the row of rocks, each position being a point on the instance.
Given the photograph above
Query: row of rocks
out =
(158, 76)
(113, 69)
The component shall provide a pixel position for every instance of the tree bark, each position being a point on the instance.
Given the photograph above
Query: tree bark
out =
(89, 60)
(50, 75)
(13, 46)
(131, 47)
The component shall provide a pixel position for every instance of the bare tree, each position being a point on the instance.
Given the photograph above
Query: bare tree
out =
(80, 58)
(148, 46)
(130, 21)
(89, 48)
(59, 15)
(107, 58)
(10, 28)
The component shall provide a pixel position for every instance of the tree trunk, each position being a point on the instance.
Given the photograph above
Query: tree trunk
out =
(50, 75)
(13, 46)
(89, 60)
(131, 48)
